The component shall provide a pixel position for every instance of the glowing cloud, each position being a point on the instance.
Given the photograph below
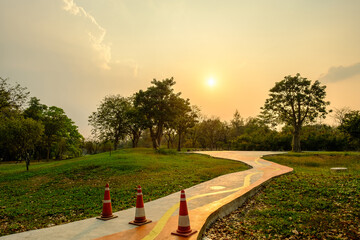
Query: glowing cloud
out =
(336, 74)
(97, 40)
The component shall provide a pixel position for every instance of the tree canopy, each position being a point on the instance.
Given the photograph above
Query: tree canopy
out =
(19, 137)
(11, 97)
(111, 120)
(159, 104)
(350, 124)
(60, 134)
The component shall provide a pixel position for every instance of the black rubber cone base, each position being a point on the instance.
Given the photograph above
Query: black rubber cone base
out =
(184, 234)
(140, 223)
(106, 218)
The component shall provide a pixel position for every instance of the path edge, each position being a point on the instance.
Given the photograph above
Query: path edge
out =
(228, 159)
(236, 203)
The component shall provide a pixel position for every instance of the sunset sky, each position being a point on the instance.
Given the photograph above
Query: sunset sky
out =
(72, 53)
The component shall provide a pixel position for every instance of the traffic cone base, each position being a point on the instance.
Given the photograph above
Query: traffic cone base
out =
(140, 223)
(106, 218)
(184, 234)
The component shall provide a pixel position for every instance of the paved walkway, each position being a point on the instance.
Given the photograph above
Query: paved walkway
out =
(206, 202)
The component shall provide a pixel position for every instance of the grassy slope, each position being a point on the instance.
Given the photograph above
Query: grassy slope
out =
(62, 191)
(311, 203)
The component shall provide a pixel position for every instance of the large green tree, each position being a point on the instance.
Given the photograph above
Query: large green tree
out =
(19, 137)
(295, 101)
(212, 133)
(159, 106)
(186, 119)
(60, 134)
(351, 125)
(111, 120)
(27, 132)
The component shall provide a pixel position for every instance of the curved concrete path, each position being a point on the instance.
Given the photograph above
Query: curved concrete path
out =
(206, 202)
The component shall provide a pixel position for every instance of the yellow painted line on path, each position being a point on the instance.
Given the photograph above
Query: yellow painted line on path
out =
(163, 220)
(257, 161)
(161, 223)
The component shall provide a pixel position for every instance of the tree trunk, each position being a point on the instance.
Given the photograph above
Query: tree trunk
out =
(27, 160)
(48, 154)
(116, 143)
(155, 145)
(179, 143)
(159, 135)
(136, 141)
(27, 164)
(135, 138)
(153, 138)
(296, 141)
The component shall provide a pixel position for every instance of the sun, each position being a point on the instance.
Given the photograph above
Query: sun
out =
(211, 82)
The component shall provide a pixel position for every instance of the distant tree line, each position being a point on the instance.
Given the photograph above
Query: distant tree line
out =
(159, 116)
(254, 134)
(31, 130)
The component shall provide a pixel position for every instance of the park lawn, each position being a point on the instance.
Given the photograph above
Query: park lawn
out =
(58, 192)
(313, 202)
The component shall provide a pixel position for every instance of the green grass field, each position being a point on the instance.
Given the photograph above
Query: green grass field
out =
(58, 192)
(313, 202)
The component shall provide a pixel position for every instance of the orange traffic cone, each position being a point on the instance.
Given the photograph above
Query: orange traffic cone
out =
(107, 210)
(140, 218)
(184, 229)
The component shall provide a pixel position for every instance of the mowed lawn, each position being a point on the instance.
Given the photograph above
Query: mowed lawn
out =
(313, 202)
(58, 192)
